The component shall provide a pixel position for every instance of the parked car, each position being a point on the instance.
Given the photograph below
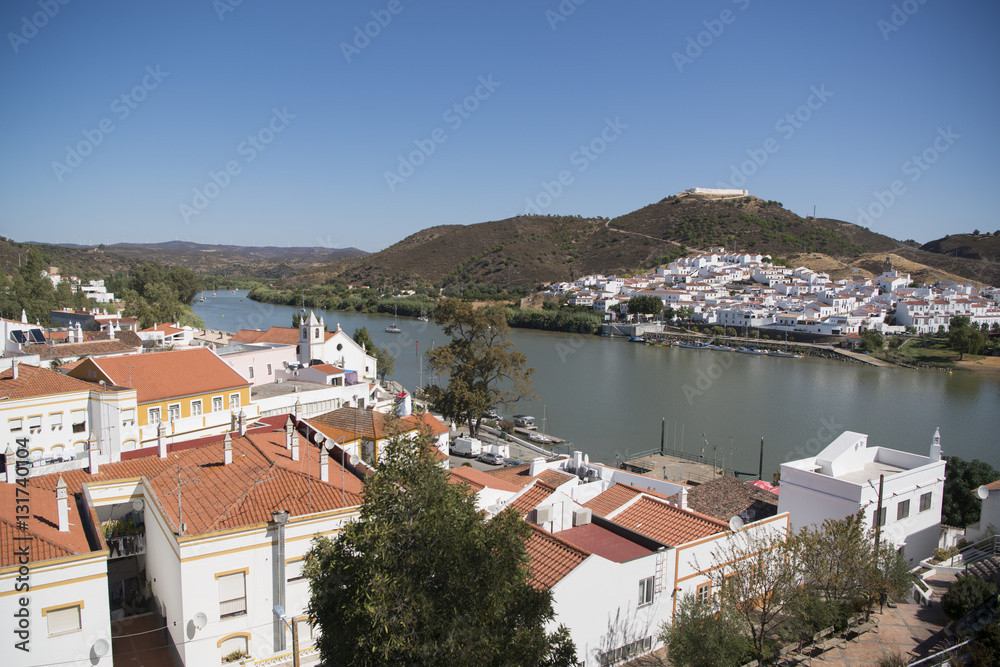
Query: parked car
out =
(538, 437)
(491, 458)
(513, 463)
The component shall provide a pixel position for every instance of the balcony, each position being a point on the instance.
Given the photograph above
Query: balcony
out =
(234, 607)
(125, 536)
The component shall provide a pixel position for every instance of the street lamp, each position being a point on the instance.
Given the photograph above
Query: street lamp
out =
(279, 613)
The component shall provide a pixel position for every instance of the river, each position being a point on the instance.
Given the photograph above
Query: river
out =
(608, 396)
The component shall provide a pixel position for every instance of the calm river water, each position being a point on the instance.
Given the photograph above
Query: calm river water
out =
(608, 396)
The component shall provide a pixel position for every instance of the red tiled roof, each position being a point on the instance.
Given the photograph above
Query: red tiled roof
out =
(607, 502)
(359, 422)
(532, 497)
(124, 342)
(41, 536)
(665, 523)
(551, 558)
(37, 381)
(161, 375)
(520, 475)
(282, 335)
(726, 497)
(327, 368)
(261, 479)
(422, 419)
(479, 480)
(605, 543)
(165, 329)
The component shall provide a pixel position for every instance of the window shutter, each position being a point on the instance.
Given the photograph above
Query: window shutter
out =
(63, 620)
(232, 586)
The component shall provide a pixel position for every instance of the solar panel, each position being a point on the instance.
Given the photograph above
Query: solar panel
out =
(18, 336)
(37, 335)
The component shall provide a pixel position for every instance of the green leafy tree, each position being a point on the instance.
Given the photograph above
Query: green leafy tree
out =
(484, 370)
(966, 594)
(872, 341)
(645, 305)
(363, 338)
(422, 579)
(385, 361)
(669, 314)
(965, 338)
(961, 507)
(702, 636)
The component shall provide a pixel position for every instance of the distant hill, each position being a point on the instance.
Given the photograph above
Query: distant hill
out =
(528, 250)
(970, 246)
(266, 262)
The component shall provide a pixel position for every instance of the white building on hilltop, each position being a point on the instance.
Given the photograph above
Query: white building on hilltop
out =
(844, 479)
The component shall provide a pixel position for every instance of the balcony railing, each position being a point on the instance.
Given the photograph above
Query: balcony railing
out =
(126, 545)
(233, 607)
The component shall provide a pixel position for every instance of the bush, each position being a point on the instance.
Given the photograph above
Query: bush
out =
(893, 659)
(965, 595)
(944, 554)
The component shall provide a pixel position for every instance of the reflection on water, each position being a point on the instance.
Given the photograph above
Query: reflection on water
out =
(609, 396)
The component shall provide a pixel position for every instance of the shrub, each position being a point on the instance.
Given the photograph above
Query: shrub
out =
(893, 659)
(965, 595)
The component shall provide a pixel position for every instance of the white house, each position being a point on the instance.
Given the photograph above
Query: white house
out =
(845, 477)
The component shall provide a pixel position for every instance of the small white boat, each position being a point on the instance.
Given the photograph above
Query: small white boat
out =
(722, 348)
(423, 318)
(694, 346)
(750, 350)
(392, 328)
(787, 355)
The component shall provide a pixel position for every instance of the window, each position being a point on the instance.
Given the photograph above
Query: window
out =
(234, 644)
(251, 373)
(174, 411)
(232, 593)
(234, 401)
(55, 418)
(269, 369)
(62, 620)
(14, 425)
(925, 502)
(645, 591)
(79, 418)
(704, 593)
(216, 404)
(902, 510)
(154, 415)
(35, 423)
(196, 408)
(880, 519)
(128, 416)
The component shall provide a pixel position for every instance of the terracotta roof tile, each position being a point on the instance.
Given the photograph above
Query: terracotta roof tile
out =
(520, 476)
(605, 543)
(37, 381)
(261, 479)
(367, 424)
(532, 497)
(41, 534)
(616, 496)
(479, 480)
(160, 375)
(328, 369)
(551, 558)
(124, 342)
(436, 426)
(284, 335)
(665, 523)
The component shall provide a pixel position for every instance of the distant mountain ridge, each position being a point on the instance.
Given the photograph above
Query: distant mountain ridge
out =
(529, 250)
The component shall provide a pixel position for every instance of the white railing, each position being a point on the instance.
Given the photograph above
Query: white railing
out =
(973, 553)
(233, 607)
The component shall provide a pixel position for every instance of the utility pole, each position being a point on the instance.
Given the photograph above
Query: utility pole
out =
(760, 465)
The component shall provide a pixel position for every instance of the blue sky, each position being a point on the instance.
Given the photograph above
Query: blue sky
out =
(275, 123)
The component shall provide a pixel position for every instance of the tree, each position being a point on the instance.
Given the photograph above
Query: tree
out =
(755, 575)
(872, 341)
(966, 594)
(702, 636)
(421, 579)
(384, 360)
(961, 507)
(965, 338)
(669, 314)
(645, 305)
(484, 369)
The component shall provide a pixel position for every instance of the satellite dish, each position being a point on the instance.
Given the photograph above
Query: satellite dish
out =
(200, 620)
(736, 524)
(355, 460)
(983, 493)
(101, 648)
(137, 505)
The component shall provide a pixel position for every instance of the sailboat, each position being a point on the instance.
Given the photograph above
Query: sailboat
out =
(394, 327)
(423, 316)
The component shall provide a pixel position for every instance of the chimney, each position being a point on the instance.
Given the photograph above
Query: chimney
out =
(297, 410)
(10, 465)
(161, 440)
(13, 370)
(289, 427)
(936, 446)
(577, 459)
(537, 466)
(111, 331)
(324, 464)
(242, 420)
(92, 454)
(227, 450)
(295, 446)
(71, 334)
(62, 504)
(683, 500)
